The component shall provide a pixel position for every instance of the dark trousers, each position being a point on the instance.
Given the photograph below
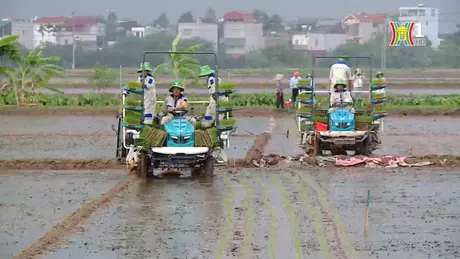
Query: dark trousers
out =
(295, 93)
(280, 100)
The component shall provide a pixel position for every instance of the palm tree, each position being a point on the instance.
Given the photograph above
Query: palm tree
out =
(183, 66)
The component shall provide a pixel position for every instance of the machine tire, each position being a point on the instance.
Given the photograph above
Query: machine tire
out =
(121, 150)
(208, 167)
(144, 169)
(319, 148)
(366, 146)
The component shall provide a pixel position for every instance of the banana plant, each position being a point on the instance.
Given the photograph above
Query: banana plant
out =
(35, 71)
(183, 66)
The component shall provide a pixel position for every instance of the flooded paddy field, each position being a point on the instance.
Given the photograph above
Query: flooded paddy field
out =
(286, 211)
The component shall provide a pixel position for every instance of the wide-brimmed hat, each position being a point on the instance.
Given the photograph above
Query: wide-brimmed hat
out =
(379, 73)
(340, 82)
(278, 77)
(176, 84)
(343, 58)
(206, 71)
(145, 66)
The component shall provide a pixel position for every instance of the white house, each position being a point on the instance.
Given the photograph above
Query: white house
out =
(88, 31)
(320, 39)
(428, 19)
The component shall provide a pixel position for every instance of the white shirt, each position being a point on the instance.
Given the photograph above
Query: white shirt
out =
(295, 82)
(340, 70)
(357, 81)
(341, 97)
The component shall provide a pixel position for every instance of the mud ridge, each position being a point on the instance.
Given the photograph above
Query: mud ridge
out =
(256, 152)
(60, 233)
(60, 164)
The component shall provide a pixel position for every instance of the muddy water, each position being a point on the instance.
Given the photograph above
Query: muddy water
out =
(89, 137)
(284, 214)
(33, 202)
(413, 214)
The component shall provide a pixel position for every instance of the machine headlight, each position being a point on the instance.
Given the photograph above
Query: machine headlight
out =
(186, 137)
(348, 124)
(174, 137)
(336, 124)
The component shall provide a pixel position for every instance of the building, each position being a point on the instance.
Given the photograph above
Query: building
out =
(22, 28)
(278, 38)
(206, 31)
(142, 32)
(363, 27)
(320, 39)
(25, 30)
(89, 32)
(5, 28)
(241, 34)
(428, 19)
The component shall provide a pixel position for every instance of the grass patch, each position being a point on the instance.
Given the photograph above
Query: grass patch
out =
(132, 118)
(226, 104)
(152, 137)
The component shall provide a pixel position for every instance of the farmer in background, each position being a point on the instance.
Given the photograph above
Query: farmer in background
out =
(358, 79)
(210, 115)
(295, 86)
(176, 102)
(279, 91)
(340, 71)
(340, 96)
(150, 96)
(380, 76)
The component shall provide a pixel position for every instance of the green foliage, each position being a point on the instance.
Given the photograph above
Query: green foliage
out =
(227, 122)
(239, 100)
(101, 76)
(227, 86)
(134, 85)
(152, 137)
(182, 66)
(226, 104)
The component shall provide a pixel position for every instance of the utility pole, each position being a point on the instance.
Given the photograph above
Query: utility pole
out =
(383, 59)
(73, 40)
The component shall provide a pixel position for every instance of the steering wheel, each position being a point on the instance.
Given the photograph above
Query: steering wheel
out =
(179, 112)
(341, 105)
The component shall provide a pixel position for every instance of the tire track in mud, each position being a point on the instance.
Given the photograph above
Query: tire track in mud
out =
(267, 204)
(292, 215)
(319, 228)
(229, 219)
(332, 217)
(62, 231)
(249, 219)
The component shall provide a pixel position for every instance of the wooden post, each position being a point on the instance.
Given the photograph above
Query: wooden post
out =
(366, 220)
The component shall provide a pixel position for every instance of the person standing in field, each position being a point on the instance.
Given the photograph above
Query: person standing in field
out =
(279, 91)
(340, 71)
(358, 79)
(295, 86)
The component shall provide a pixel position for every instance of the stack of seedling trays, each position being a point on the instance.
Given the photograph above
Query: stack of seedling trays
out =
(133, 106)
(378, 99)
(226, 107)
(306, 98)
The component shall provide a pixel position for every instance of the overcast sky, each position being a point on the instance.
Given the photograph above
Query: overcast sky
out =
(146, 11)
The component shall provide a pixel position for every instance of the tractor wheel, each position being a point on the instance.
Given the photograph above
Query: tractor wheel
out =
(121, 150)
(144, 170)
(208, 167)
(319, 147)
(365, 146)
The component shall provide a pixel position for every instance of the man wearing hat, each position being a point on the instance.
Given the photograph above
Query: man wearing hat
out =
(210, 114)
(340, 95)
(294, 84)
(340, 71)
(176, 102)
(279, 91)
(150, 96)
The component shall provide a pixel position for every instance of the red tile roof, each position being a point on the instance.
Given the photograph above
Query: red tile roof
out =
(239, 16)
(375, 18)
(78, 20)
